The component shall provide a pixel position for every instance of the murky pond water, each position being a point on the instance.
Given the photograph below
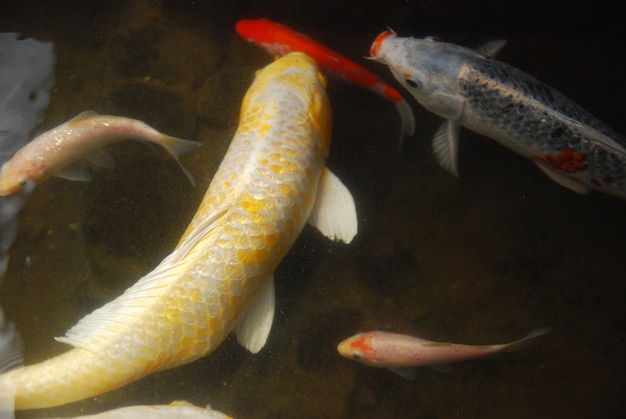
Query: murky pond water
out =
(480, 259)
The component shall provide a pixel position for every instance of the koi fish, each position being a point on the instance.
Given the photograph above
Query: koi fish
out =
(174, 410)
(58, 152)
(220, 277)
(279, 40)
(470, 88)
(402, 353)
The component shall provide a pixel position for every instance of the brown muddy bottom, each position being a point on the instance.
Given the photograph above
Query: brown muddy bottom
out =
(481, 259)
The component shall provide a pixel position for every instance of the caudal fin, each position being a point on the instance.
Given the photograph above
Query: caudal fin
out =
(175, 147)
(526, 340)
(407, 121)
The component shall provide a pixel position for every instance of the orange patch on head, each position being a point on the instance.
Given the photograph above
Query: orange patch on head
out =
(363, 345)
(566, 161)
(378, 42)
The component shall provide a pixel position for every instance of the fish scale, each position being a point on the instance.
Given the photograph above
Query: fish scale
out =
(510, 113)
(253, 211)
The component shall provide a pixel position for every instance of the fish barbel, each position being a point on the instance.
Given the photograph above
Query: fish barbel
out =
(220, 276)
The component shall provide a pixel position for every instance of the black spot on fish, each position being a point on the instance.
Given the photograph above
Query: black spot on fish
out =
(557, 132)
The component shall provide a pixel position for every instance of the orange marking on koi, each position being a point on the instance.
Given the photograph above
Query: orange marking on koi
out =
(566, 161)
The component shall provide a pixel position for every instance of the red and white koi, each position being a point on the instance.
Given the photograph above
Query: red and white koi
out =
(279, 40)
(402, 353)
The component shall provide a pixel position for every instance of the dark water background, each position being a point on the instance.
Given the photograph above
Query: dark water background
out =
(480, 259)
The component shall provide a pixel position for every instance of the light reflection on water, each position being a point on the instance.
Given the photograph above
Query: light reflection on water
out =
(482, 259)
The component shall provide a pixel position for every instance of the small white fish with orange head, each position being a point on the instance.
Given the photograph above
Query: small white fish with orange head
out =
(402, 353)
(61, 150)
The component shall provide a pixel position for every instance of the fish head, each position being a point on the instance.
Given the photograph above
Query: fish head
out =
(359, 348)
(427, 68)
(16, 175)
(301, 75)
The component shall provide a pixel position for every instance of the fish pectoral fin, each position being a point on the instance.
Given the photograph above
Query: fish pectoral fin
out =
(443, 368)
(446, 105)
(446, 146)
(10, 346)
(334, 212)
(410, 373)
(99, 328)
(101, 158)
(256, 323)
(75, 172)
(564, 181)
(492, 48)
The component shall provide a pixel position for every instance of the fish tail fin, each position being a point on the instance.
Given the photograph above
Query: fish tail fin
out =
(175, 147)
(407, 121)
(526, 340)
(10, 358)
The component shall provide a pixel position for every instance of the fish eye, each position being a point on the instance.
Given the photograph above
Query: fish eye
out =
(357, 356)
(412, 81)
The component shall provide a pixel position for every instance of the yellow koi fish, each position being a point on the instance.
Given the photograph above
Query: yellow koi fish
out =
(402, 353)
(220, 276)
(58, 152)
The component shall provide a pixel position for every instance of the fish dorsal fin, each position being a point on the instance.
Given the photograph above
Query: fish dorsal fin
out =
(564, 181)
(82, 117)
(446, 146)
(104, 325)
(254, 328)
(334, 212)
(76, 172)
(492, 48)
(200, 231)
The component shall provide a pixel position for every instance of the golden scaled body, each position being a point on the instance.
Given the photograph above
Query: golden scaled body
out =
(253, 211)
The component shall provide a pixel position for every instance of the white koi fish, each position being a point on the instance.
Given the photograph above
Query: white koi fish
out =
(220, 276)
(174, 410)
(470, 88)
(59, 152)
(402, 353)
